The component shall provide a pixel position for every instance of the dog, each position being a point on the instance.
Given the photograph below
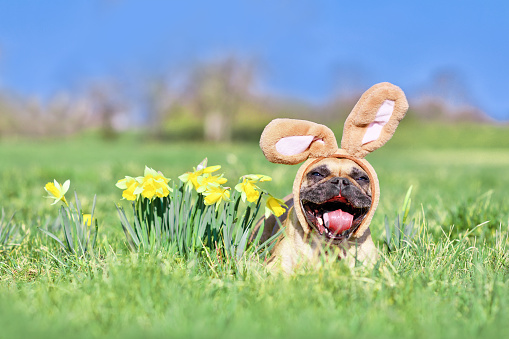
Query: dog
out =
(336, 191)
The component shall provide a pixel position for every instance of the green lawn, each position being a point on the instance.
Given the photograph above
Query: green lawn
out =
(450, 282)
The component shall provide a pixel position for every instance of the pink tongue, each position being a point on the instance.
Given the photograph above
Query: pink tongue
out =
(338, 221)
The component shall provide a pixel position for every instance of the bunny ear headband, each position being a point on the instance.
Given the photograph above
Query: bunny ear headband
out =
(369, 126)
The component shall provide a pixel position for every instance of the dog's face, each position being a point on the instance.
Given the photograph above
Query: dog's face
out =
(335, 196)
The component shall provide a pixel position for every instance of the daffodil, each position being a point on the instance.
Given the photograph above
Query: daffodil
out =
(158, 176)
(154, 184)
(87, 219)
(151, 184)
(207, 180)
(57, 191)
(191, 178)
(216, 194)
(274, 206)
(131, 186)
(249, 191)
(125, 183)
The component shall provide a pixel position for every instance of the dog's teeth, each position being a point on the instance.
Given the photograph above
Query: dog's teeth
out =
(320, 221)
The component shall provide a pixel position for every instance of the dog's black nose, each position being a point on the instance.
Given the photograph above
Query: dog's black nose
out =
(338, 181)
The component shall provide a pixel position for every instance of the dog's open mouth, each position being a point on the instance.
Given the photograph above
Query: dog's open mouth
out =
(335, 218)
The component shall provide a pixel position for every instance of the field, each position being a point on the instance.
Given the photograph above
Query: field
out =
(450, 281)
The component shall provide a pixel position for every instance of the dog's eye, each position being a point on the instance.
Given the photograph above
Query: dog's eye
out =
(317, 174)
(363, 178)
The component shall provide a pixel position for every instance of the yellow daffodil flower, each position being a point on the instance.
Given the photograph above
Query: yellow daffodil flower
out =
(207, 180)
(191, 178)
(87, 219)
(131, 186)
(158, 176)
(154, 184)
(274, 206)
(57, 191)
(151, 184)
(216, 194)
(163, 191)
(125, 183)
(149, 188)
(249, 191)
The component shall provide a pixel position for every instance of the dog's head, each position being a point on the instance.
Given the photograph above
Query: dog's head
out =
(336, 190)
(335, 196)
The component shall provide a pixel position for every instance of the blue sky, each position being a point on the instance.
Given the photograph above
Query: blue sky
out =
(306, 49)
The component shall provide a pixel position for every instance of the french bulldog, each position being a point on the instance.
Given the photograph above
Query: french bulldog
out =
(336, 191)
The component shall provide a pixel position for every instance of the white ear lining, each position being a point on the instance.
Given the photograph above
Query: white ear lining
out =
(382, 117)
(296, 144)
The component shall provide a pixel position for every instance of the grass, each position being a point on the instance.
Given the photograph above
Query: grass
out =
(450, 281)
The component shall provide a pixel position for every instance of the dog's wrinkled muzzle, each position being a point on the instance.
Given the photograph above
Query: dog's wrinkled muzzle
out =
(336, 218)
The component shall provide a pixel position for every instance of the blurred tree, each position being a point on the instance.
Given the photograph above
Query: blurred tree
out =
(108, 106)
(218, 90)
(6, 116)
(449, 85)
(447, 97)
(162, 100)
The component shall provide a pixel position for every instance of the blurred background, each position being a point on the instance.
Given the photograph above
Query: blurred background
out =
(220, 70)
